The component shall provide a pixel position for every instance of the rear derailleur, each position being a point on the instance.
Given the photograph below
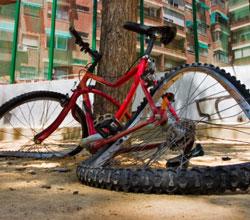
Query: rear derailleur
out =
(183, 160)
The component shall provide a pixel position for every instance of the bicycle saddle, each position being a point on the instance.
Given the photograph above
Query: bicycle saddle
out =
(167, 32)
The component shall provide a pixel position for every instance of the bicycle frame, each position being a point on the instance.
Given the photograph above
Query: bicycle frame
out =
(84, 90)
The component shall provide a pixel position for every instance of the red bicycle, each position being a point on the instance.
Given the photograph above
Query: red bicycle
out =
(190, 107)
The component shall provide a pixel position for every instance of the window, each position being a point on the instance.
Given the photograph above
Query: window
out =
(221, 56)
(218, 2)
(60, 73)
(30, 41)
(84, 35)
(82, 8)
(152, 12)
(28, 72)
(237, 54)
(202, 28)
(242, 53)
(246, 52)
(61, 43)
(62, 12)
(79, 62)
(8, 11)
(190, 48)
(31, 11)
(174, 17)
(203, 51)
(188, 7)
(202, 12)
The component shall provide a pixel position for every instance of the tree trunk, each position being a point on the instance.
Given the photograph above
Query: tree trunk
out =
(118, 47)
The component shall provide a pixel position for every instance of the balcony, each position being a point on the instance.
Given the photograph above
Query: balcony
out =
(180, 30)
(153, 3)
(218, 45)
(177, 54)
(240, 44)
(240, 23)
(174, 5)
(173, 17)
(5, 2)
(220, 27)
(237, 4)
(5, 55)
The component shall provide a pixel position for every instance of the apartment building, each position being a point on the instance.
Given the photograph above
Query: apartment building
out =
(223, 35)
(220, 31)
(239, 12)
(32, 58)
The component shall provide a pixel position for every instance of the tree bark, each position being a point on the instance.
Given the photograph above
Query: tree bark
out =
(118, 47)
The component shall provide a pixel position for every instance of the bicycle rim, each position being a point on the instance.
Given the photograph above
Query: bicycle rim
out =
(24, 116)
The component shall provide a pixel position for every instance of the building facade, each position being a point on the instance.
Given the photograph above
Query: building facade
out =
(239, 12)
(32, 57)
(223, 35)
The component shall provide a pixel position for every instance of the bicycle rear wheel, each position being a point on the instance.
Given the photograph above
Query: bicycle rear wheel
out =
(23, 117)
(214, 111)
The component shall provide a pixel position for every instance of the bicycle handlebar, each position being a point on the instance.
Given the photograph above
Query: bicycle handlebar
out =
(85, 47)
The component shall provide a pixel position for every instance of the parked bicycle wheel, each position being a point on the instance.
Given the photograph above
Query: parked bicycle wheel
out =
(214, 118)
(23, 117)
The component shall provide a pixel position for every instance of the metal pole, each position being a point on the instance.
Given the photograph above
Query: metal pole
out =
(141, 22)
(52, 40)
(196, 40)
(94, 19)
(15, 43)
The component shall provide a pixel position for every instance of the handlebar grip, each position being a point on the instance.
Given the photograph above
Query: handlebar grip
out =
(75, 34)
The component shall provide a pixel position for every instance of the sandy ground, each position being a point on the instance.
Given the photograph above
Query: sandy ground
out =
(36, 189)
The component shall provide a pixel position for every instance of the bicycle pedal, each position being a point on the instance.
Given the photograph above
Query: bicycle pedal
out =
(107, 125)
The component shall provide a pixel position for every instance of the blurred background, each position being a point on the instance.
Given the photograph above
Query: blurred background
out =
(28, 28)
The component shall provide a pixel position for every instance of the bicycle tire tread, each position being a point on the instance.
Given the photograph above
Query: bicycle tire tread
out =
(198, 180)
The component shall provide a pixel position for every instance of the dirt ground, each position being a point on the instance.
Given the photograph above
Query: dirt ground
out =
(36, 189)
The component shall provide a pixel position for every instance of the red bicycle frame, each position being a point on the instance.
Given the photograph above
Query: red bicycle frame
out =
(84, 90)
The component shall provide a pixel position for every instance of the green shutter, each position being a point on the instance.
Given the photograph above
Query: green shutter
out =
(62, 34)
(189, 23)
(203, 5)
(213, 16)
(31, 4)
(7, 26)
(203, 46)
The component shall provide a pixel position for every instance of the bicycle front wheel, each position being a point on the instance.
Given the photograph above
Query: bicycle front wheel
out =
(23, 117)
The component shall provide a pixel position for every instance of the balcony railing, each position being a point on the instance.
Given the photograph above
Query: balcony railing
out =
(234, 3)
(237, 43)
(174, 5)
(240, 21)
(220, 45)
(176, 52)
(155, 18)
(221, 27)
